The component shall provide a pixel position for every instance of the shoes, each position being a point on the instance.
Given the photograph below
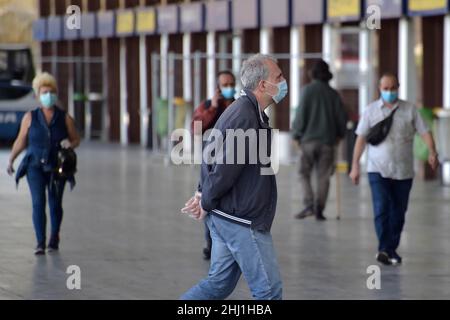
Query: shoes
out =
(307, 212)
(39, 251)
(53, 244)
(320, 217)
(383, 258)
(206, 253)
(395, 258)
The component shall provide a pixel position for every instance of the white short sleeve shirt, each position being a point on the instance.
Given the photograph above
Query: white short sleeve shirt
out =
(393, 158)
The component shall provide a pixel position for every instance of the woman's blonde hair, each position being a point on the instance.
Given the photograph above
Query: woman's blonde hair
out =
(44, 79)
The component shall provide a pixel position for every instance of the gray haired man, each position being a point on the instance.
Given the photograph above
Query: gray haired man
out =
(237, 200)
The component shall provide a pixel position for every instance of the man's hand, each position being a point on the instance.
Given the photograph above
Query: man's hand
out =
(433, 160)
(215, 99)
(193, 207)
(354, 174)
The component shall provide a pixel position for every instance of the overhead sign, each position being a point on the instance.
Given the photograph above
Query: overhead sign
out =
(389, 8)
(344, 10)
(192, 17)
(54, 28)
(39, 29)
(88, 25)
(125, 23)
(427, 7)
(168, 19)
(307, 12)
(245, 14)
(218, 15)
(275, 13)
(105, 24)
(146, 21)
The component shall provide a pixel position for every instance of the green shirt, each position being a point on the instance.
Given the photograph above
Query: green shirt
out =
(320, 115)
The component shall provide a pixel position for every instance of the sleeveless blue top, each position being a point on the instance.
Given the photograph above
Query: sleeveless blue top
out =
(44, 142)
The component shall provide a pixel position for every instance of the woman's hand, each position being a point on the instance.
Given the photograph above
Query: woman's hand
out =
(10, 168)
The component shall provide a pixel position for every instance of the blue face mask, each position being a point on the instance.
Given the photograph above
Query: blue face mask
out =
(282, 91)
(48, 99)
(389, 96)
(228, 92)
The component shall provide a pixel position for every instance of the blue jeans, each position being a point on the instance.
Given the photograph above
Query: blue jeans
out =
(238, 249)
(39, 181)
(390, 202)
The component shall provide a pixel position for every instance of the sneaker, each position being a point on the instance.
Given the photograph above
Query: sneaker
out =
(395, 258)
(307, 212)
(39, 251)
(383, 258)
(320, 217)
(52, 248)
(206, 253)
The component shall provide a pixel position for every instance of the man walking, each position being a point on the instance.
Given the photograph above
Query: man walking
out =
(390, 164)
(237, 200)
(319, 124)
(207, 114)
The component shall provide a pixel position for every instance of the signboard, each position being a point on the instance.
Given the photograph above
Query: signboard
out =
(218, 15)
(39, 29)
(192, 17)
(125, 23)
(69, 34)
(308, 12)
(106, 24)
(275, 13)
(427, 7)
(389, 8)
(168, 18)
(54, 28)
(344, 10)
(245, 14)
(146, 21)
(88, 26)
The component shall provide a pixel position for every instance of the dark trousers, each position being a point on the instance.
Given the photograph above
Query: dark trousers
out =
(321, 158)
(390, 202)
(40, 181)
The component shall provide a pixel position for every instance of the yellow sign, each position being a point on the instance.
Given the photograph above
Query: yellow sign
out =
(343, 8)
(146, 21)
(427, 5)
(125, 22)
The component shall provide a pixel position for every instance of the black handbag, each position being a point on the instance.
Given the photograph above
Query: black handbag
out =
(379, 132)
(67, 163)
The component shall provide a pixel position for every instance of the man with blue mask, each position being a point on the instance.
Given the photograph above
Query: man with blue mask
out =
(390, 163)
(319, 125)
(207, 113)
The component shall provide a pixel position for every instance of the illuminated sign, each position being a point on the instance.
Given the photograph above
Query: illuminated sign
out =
(125, 22)
(428, 7)
(146, 20)
(344, 10)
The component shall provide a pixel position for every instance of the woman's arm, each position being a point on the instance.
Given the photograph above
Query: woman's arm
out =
(21, 141)
(74, 137)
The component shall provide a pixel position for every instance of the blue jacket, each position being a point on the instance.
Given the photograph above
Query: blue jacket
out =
(44, 143)
(239, 192)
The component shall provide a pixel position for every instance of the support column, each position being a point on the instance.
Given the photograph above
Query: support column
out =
(187, 87)
(406, 63)
(265, 48)
(446, 100)
(211, 64)
(143, 90)
(237, 52)
(124, 116)
(365, 72)
(327, 43)
(294, 72)
(164, 51)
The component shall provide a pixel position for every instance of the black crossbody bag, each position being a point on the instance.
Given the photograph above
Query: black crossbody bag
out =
(379, 132)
